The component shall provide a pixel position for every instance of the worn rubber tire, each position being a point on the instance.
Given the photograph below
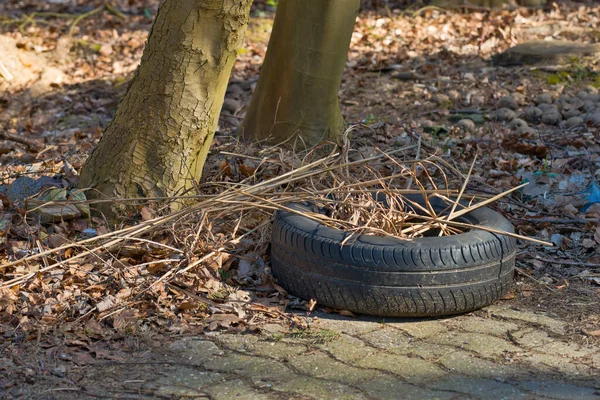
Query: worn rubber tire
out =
(387, 276)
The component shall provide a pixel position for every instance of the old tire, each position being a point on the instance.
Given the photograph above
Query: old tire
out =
(387, 276)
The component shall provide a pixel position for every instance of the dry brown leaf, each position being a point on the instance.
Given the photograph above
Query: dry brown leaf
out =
(347, 313)
(147, 213)
(125, 319)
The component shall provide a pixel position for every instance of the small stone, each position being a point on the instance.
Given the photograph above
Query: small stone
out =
(441, 99)
(454, 95)
(505, 115)
(518, 123)
(551, 117)
(593, 118)
(231, 105)
(60, 371)
(466, 125)
(548, 107)
(588, 90)
(89, 232)
(585, 95)
(573, 112)
(508, 102)
(589, 105)
(544, 98)
(533, 113)
(573, 122)
(525, 130)
(235, 91)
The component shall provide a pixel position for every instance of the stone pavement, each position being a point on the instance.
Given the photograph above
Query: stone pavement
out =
(496, 353)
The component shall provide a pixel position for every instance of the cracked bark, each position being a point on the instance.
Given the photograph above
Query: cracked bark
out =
(297, 93)
(158, 141)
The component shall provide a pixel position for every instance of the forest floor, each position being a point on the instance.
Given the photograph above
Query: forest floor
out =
(415, 75)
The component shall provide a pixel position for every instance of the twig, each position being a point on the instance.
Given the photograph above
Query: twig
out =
(476, 206)
(18, 139)
(462, 190)
(410, 180)
(567, 262)
(560, 220)
(525, 274)
(82, 17)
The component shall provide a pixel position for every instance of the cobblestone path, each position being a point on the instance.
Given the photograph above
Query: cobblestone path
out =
(496, 353)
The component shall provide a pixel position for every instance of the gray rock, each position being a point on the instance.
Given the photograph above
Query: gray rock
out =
(518, 123)
(589, 105)
(505, 115)
(545, 107)
(525, 130)
(235, 91)
(466, 125)
(573, 122)
(585, 95)
(551, 117)
(593, 119)
(544, 98)
(508, 102)
(573, 112)
(533, 113)
(231, 105)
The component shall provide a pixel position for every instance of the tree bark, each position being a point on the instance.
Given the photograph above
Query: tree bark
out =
(297, 92)
(158, 141)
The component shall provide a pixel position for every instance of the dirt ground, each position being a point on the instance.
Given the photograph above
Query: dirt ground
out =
(415, 73)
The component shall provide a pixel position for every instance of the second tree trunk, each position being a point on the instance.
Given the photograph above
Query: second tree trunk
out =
(296, 100)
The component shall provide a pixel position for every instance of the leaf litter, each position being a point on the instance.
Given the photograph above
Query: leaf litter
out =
(409, 78)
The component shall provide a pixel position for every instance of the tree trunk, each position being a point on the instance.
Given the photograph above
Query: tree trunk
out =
(297, 93)
(158, 141)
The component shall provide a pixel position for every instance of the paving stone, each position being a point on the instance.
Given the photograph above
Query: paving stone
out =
(397, 343)
(256, 368)
(488, 326)
(195, 350)
(537, 340)
(350, 326)
(182, 382)
(484, 388)
(320, 365)
(553, 363)
(559, 390)
(236, 389)
(279, 350)
(485, 345)
(319, 389)
(465, 363)
(411, 370)
(551, 324)
(387, 338)
(420, 329)
(347, 348)
(388, 387)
